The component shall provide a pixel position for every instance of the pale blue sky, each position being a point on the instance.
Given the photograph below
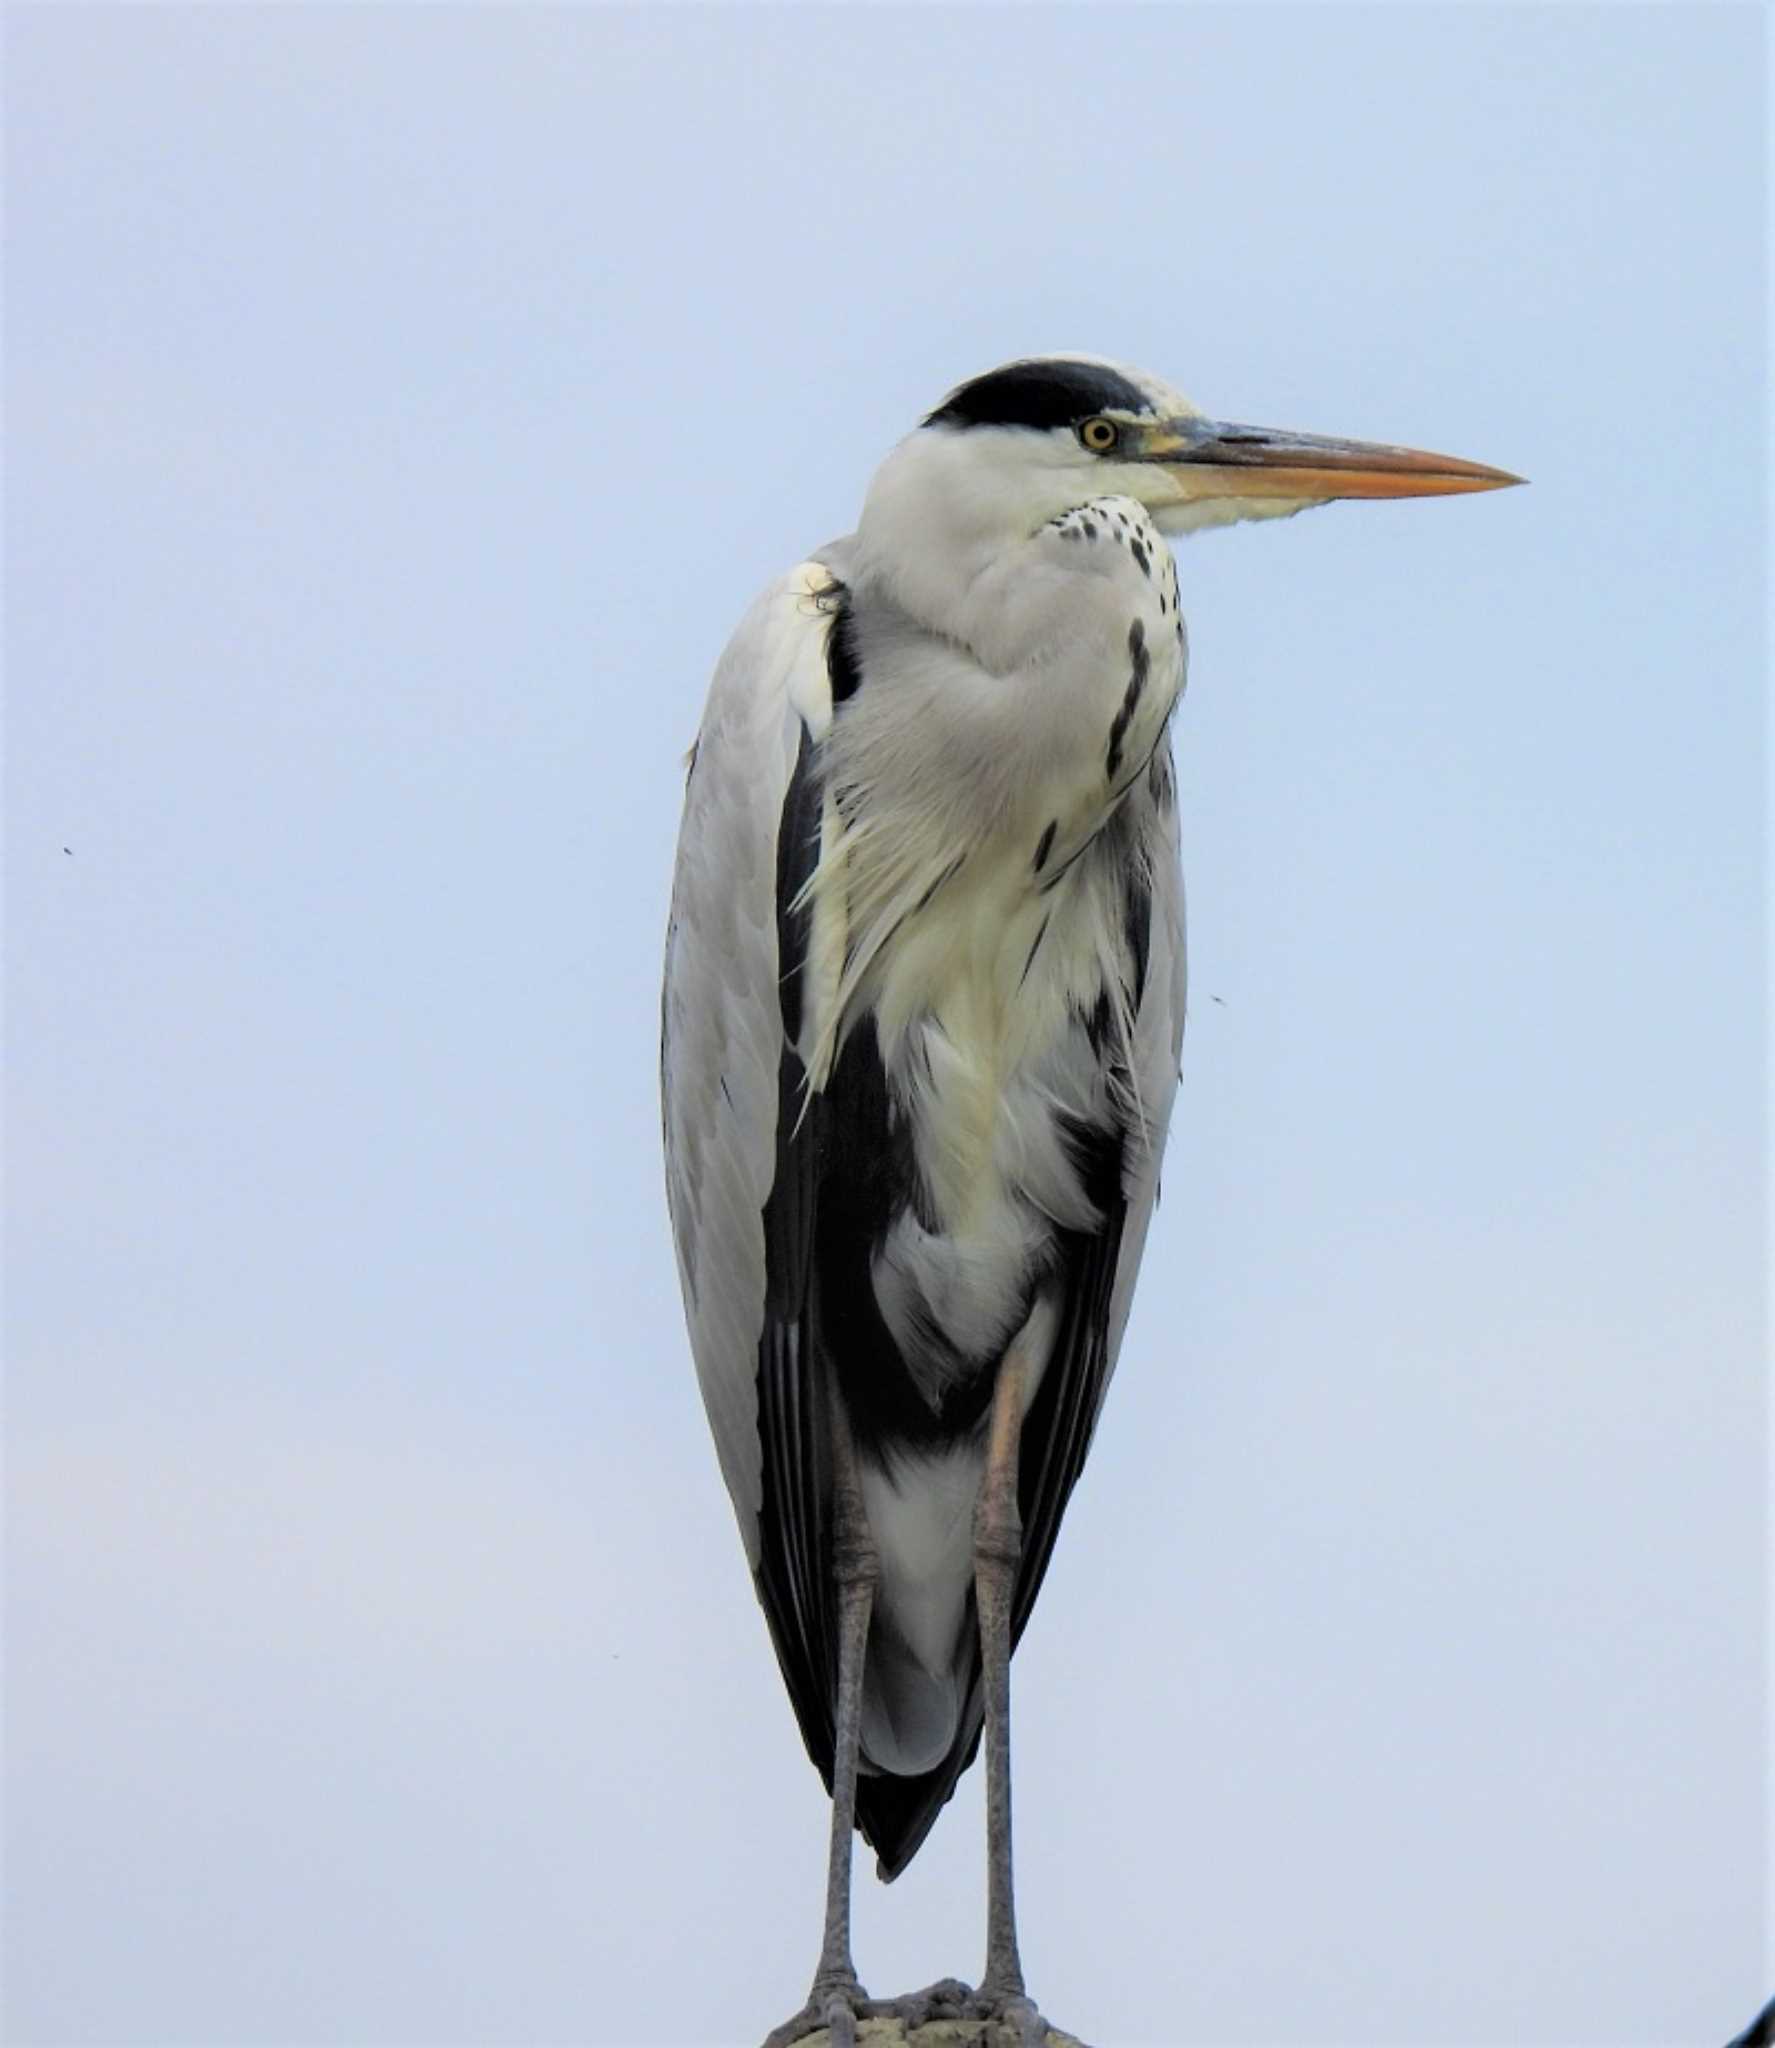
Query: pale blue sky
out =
(404, 403)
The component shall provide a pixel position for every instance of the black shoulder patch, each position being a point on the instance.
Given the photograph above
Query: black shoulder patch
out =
(1042, 392)
(842, 667)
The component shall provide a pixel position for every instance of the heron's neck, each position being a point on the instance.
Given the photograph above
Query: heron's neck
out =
(932, 534)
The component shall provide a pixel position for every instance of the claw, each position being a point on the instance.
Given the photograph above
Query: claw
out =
(834, 2005)
(1032, 2029)
(1015, 2019)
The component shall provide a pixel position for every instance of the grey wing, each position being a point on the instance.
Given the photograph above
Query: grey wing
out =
(1101, 1268)
(1158, 1033)
(722, 1037)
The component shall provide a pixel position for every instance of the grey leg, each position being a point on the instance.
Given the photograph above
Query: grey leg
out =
(854, 1564)
(837, 1998)
(998, 1549)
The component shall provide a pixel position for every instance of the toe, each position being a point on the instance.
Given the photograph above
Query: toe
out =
(949, 1998)
(1032, 2029)
(836, 2003)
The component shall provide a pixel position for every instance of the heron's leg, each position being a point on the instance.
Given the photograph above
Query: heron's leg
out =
(998, 1550)
(837, 1998)
(856, 1569)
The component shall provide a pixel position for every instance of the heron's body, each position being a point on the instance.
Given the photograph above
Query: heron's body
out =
(924, 1000)
(985, 1013)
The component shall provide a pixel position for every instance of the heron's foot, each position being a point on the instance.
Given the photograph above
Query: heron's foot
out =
(835, 2005)
(1013, 2016)
(984, 2018)
(948, 1999)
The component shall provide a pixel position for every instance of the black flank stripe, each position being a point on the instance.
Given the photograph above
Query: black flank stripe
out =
(946, 875)
(1035, 946)
(1118, 731)
(867, 1175)
(1137, 927)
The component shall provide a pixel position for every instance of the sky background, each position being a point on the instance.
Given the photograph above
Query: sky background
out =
(404, 404)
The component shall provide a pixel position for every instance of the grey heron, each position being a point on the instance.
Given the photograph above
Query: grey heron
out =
(923, 1012)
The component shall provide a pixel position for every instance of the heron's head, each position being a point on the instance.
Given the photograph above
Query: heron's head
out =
(1011, 449)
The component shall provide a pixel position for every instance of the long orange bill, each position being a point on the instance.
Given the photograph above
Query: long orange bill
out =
(1259, 462)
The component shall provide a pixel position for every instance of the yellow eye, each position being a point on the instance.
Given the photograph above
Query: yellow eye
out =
(1099, 435)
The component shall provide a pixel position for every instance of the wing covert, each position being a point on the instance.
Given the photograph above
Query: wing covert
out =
(722, 1035)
